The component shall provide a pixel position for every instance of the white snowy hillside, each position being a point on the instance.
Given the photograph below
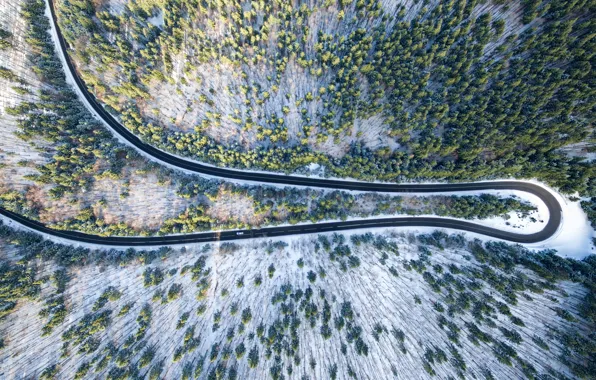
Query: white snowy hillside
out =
(335, 306)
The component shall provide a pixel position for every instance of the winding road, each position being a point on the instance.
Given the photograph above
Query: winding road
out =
(554, 208)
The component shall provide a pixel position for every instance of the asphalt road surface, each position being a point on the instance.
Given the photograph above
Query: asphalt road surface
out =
(551, 202)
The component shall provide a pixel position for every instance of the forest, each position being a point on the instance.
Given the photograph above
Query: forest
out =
(529, 311)
(459, 100)
(460, 97)
(83, 152)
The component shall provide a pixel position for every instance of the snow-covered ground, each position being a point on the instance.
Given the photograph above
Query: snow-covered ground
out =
(384, 294)
(574, 237)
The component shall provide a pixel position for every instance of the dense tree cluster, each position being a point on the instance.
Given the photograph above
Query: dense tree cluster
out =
(55, 307)
(589, 207)
(5, 39)
(461, 101)
(17, 281)
(481, 207)
(59, 117)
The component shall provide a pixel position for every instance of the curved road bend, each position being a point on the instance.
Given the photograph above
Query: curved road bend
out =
(551, 227)
(551, 202)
